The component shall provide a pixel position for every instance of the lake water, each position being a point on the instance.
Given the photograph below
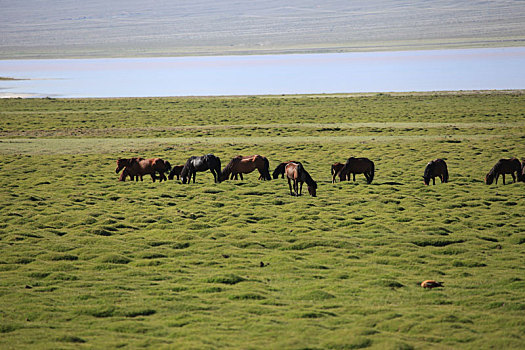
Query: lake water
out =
(432, 70)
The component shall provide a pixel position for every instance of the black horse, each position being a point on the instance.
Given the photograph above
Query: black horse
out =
(194, 164)
(435, 168)
(279, 170)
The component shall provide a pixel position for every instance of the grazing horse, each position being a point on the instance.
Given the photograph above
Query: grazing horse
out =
(175, 171)
(244, 165)
(203, 163)
(435, 168)
(502, 167)
(336, 170)
(296, 173)
(138, 167)
(358, 166)
(279, 170)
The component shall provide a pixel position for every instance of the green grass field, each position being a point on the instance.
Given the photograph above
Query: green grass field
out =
(91, 262)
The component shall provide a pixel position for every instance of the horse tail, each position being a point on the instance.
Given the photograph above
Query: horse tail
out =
(300, 169)
(372, 171)
(445, 174)
(218, 165)
(266, 169)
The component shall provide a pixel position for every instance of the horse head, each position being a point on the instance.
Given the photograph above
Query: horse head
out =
(312, 189)
(489, 178)
(426, 180)
(121, 164)
(187, 170)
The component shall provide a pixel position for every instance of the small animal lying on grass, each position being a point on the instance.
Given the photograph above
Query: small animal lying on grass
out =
(431, 284)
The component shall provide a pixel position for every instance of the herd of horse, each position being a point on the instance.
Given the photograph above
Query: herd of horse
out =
(296, 174)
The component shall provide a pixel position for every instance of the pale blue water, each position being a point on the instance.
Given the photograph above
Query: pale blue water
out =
(432, 70)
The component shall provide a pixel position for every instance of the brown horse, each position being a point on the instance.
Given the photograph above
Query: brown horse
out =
(336, 170)
(435, 168)
(296, 173)
(125, 173)
(502, 167)
(138, 167)
(358, 166)
(245, 165)
(175, 171)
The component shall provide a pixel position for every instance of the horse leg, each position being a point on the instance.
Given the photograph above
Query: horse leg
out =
(353, 176)
(195, 174)
(433, 181)
(301, 188)
(290, 186)
(240, 174)
(503, 178)
(153, 177)
(513, 178)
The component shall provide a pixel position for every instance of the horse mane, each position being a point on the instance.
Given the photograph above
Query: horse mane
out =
(279, 170)
(490, 175)
(187, 167)
(307, 178)
(428, 170)
(229, 167)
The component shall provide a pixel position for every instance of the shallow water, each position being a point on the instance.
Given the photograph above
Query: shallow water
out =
(433, 70)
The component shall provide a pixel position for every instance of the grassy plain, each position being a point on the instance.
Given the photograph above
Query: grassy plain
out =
(90, 262)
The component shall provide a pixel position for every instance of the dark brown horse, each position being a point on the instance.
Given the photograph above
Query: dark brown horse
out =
(358, 166)
(502, 167)
(175, 171)
(279, 170)
(435, 168)
(336, 170)
(125, 173)
(296, 173)
(244, 165)
(138, 167)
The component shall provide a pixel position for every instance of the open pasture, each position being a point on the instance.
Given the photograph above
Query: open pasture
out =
(91, 262)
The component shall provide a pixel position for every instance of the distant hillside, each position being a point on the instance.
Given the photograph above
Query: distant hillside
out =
(95, 28)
